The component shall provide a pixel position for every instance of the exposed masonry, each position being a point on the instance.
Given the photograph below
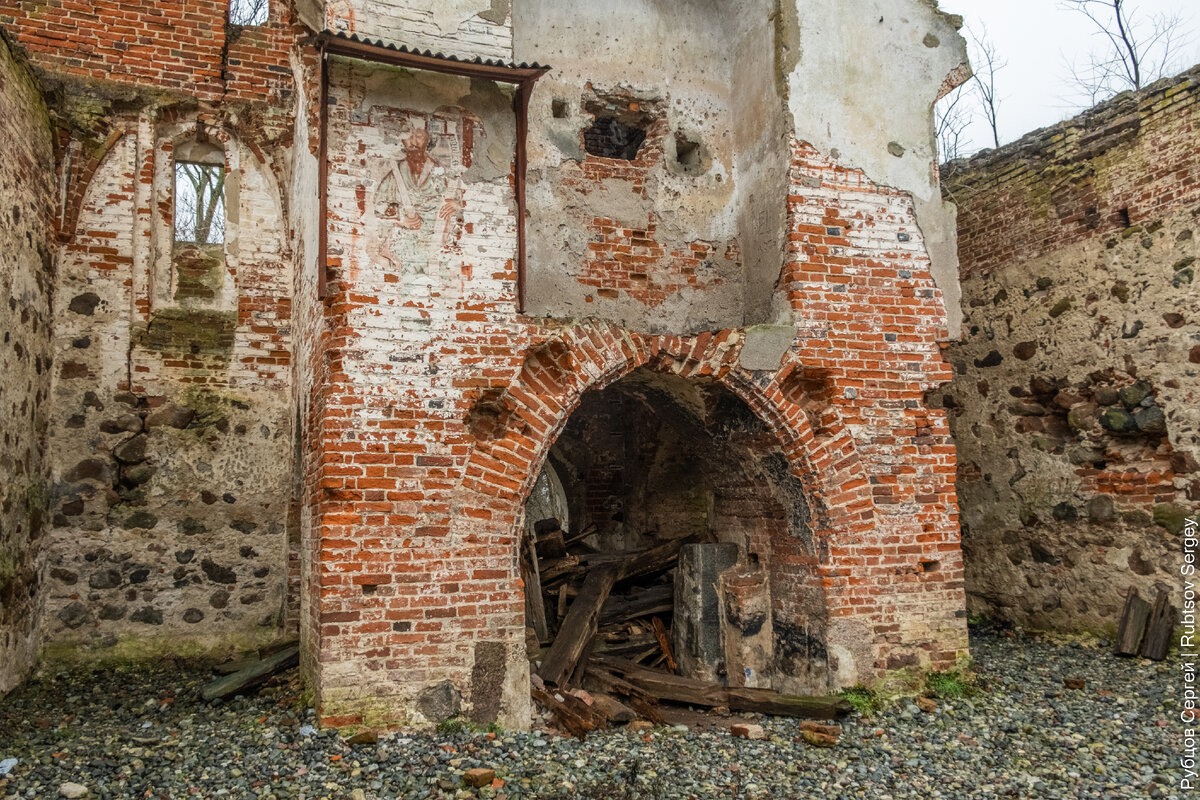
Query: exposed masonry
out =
(26, 277)
(230, 453)
(1076, 399)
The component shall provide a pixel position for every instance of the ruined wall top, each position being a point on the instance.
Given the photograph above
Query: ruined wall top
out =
(179, 46)
(1124, 163)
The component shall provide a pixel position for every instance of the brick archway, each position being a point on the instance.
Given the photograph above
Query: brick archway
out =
(515, 428)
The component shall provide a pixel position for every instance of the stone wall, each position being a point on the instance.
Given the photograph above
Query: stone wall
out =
(412, 403)
(1076, 398)
(26, 274)
(171, 416)
(172, 428)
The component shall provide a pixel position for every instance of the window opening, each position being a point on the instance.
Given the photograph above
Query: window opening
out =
(199, 203)
(248, 12)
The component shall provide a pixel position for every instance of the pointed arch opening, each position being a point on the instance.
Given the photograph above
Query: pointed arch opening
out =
(681, 486)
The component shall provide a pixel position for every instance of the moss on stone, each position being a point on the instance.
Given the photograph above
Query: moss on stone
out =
(188, 332)
(1170, 516)
(1061, 307)
(131, 649)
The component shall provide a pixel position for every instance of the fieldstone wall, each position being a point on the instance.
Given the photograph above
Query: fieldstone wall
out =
(172, 433)
(1076, 398)
(26, 270)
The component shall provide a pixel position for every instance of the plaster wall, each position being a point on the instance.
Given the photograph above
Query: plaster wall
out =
(700, 76)
(463, 28)
(861, 84)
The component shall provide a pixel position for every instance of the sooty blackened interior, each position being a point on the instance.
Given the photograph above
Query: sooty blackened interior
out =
(678, 489)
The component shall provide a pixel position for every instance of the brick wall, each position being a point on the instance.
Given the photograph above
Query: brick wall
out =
(1126, 162)
(869, 317)
(26, 274)
(1074, 397)
(172, 45)
(424, 402)
(436, 404)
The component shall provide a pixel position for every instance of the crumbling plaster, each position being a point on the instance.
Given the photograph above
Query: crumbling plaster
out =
(463, 28)
(739, 77)
(678, 63)
(846, 74)
(172, 429)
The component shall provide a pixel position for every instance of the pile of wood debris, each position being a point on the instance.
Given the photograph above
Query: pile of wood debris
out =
(600, 637)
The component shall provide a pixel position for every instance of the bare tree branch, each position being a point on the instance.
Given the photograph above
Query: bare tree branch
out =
(986, 63)
(1136, 49)
(248, 12)
(951, 119)
(199, 203)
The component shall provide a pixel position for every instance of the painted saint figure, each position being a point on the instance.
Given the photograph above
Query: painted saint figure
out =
(419, 205)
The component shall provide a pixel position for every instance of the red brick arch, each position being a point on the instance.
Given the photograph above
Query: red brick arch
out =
(534, 409)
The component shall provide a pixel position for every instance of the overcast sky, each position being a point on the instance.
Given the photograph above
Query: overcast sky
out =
(1039, 38)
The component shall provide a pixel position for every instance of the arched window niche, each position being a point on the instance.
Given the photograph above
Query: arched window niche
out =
(196, 233)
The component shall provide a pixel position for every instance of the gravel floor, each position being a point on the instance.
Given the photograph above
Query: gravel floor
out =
(144, 733)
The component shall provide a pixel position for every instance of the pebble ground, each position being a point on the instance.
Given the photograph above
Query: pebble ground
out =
(143, 732)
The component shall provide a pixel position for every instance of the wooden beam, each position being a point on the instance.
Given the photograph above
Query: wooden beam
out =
(1133, 624)
(579, 626)
(253, 675)
(1159, 628)
(381, 54)
(535, 608)
(702, 693)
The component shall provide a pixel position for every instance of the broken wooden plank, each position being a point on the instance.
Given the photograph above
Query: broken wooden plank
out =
(581, 664)
(662, 686)
(612, 708)
(551, 545)
(640, 603)
(1160, 628)
(554, 568)
(766, 701)
(1133, 624)
(655, 559)
(639, 563)
(679, 689)
(599, 679)
(535, 608)
(585, 532)
(639, 700)
(564, 600)
(576, 721)
(252, 675)
(578, 627)
(238, 664)
(664, 642)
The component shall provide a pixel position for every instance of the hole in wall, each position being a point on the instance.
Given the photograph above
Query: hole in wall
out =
(1123, 217)
(622, 126)
(931, 566)
(558, 108)
(609, 137)
(687, 152)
